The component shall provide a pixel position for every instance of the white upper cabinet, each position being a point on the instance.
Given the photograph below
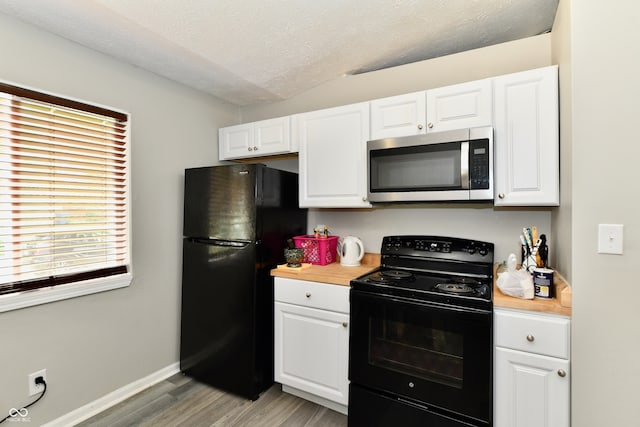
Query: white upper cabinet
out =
(256, 139)
(526, 141)
(332, 156)
(400, 115)
(460, 106)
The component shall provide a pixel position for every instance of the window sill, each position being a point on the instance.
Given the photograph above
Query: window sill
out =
(25, 299)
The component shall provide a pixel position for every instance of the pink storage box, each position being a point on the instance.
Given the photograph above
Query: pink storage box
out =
(319, 251)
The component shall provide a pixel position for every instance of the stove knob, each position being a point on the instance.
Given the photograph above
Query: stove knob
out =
(483, 251)
(471, 250)
(483, 291)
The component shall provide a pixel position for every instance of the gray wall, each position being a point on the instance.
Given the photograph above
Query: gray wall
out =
(95, 344)
(501, 226)
(605, 88)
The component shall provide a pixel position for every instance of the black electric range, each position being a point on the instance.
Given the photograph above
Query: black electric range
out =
(421, 335)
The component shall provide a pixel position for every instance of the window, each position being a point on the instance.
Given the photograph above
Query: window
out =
(64, 195)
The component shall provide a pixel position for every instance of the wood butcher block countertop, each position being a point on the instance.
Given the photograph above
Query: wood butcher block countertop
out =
(340, 275)
(331, 273)
(559, 304)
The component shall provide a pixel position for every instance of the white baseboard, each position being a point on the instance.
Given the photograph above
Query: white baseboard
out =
(105, 402)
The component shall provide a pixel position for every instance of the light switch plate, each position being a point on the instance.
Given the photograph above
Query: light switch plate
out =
(610, 238)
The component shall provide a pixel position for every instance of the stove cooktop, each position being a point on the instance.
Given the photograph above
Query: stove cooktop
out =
(439, 269)
(439, 288)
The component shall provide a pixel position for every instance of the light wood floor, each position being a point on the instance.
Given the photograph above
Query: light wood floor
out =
(181, 401)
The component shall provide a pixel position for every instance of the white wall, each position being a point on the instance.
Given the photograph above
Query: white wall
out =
(561, 217)
(476, 64)
(605, 151)
(95, 344)
(482, 222)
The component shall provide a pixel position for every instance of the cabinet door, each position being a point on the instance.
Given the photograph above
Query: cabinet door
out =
(311, 350)
(235, 141)
(526, 140)
(400, 115)
(332, 156)
(263, 138)
(460, 106)
(530, 390)
(272, 137)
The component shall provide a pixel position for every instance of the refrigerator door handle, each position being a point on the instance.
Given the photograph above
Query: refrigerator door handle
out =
(219, 242)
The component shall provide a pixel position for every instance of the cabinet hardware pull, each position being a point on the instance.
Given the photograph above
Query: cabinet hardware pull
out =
(308, 294)
(501, 196)
(345, 324)
(530, 338)
(430, 125)
(255, 148)
(420, 126)
(250, 149)
(562, 373)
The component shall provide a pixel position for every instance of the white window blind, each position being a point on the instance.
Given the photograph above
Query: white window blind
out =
(63, 191)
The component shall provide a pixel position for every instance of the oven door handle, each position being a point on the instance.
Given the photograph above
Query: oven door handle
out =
(417, 303)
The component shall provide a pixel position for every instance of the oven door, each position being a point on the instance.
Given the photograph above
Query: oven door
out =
(436, 355)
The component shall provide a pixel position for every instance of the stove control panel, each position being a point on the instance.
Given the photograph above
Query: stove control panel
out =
(441, 247)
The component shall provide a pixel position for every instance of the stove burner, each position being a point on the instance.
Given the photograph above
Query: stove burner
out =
(396, 274)
(466, 281)
(455, 288)
(391, 276)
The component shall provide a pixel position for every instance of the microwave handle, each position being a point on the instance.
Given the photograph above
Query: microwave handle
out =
(464, 165)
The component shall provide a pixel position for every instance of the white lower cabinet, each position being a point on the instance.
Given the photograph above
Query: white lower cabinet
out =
(311, 332)
(531, 369)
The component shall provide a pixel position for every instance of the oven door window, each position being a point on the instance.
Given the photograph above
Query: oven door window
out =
(431, 353)
(417, 168)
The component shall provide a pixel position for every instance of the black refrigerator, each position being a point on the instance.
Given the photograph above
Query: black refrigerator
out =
(237, 220)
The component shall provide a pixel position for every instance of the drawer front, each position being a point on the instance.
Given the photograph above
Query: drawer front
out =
(324, 296)
(539, 334)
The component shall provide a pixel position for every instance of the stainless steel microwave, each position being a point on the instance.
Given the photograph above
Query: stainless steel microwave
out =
(443, 166)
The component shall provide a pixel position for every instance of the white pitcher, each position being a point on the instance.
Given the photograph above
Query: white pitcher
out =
(351, 251)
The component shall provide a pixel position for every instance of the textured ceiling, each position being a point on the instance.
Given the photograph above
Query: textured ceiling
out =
(255, 51)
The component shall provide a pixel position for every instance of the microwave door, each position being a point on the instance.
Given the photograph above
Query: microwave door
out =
(414, 170)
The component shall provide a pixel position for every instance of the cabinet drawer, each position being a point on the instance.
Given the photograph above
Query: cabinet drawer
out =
(540, 334)
(312, 294)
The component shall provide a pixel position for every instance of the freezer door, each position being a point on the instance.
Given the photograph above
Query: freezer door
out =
(218, 336)
(220, 202)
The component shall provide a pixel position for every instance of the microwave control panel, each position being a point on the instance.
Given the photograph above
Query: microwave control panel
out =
(479, 164)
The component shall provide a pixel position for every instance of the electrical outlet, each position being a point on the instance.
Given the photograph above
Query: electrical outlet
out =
(36, 388)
